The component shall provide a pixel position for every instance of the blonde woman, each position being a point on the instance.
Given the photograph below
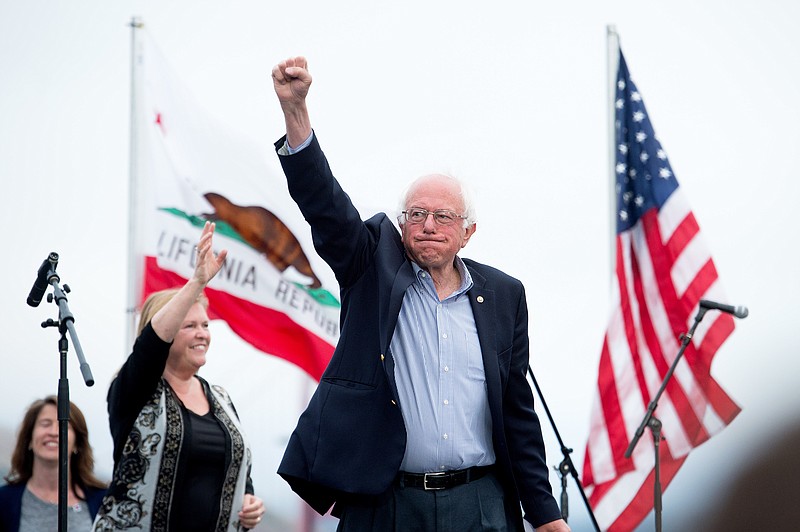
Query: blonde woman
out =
(181, 460)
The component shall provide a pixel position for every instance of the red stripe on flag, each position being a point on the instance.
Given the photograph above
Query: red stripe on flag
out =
(264, 328)
(706, 276)
(618, 438)
(642, 502)
(682, 235)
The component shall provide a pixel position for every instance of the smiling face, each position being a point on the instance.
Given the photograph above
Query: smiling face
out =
(188, 351)
(44, 439)
(430, 244)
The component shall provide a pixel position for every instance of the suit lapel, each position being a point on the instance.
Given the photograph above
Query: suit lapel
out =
(483, 304)
(387, 323)
(402, 280)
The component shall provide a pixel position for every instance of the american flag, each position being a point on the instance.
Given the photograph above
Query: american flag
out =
(663, 269)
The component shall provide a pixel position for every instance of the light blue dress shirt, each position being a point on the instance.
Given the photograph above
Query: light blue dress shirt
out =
(440, 379)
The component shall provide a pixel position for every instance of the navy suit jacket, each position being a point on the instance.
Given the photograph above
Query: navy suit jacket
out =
(351, 439)
(11, 504)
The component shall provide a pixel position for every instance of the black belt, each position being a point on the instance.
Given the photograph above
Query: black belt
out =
(441, 480)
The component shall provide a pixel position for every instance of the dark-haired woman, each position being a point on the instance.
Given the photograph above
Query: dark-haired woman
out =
(29, 502)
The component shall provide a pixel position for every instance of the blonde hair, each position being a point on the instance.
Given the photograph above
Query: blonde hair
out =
(156, 301)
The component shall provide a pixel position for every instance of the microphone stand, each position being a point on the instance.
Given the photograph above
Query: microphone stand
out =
(65, 325)
(654, 424)
(565, 466)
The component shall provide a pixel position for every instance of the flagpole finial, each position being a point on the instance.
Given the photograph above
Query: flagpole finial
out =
(136, 22)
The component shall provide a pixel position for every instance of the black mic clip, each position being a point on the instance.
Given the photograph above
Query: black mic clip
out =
(44, 277)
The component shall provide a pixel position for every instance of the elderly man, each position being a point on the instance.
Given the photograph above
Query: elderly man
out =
(423, 419)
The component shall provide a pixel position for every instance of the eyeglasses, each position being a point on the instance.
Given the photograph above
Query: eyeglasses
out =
(441, 217)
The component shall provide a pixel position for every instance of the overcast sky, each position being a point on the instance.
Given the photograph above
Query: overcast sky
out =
(510, 96)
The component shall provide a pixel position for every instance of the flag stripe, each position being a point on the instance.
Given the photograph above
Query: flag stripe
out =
(266, 329)
(641, 503)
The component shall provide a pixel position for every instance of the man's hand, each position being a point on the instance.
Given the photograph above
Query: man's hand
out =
(291, 81)
(553, 526)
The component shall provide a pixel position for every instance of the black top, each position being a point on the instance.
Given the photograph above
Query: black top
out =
(195, 506)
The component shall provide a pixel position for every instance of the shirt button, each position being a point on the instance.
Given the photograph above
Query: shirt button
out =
(446, 402)
(444, 335)
(447, 368)
(445, 436)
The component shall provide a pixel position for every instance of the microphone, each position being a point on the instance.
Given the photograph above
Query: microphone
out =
(739, 312)
(42, 279)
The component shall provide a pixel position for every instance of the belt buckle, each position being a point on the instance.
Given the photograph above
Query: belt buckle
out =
(433, 474)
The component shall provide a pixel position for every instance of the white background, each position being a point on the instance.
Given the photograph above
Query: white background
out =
(510, 96)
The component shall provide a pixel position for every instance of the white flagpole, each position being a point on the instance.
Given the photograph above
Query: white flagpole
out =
(134, 196)
(612, 44)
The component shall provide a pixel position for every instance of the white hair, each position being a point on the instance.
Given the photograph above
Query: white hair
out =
(464, 193)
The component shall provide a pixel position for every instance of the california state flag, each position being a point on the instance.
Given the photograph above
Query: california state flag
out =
(187, 169)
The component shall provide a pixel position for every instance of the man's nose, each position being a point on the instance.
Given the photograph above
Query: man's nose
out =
(430, 222)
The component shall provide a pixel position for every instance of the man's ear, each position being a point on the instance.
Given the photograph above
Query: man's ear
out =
(468, 232)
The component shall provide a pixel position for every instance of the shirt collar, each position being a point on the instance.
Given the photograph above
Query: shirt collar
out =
(466, 278)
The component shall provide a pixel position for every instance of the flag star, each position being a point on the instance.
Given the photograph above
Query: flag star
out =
(639, 201)
(623, 215)
(626, 197)
(618, 187)
(662, 154)
(640, 136)
(160, 122)
(644, 157)
(636, 97)
(620, 103)
(665, 173)
(632, 173)
(623, 149)
(621, 168)
(638, 116)
(621, 84)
